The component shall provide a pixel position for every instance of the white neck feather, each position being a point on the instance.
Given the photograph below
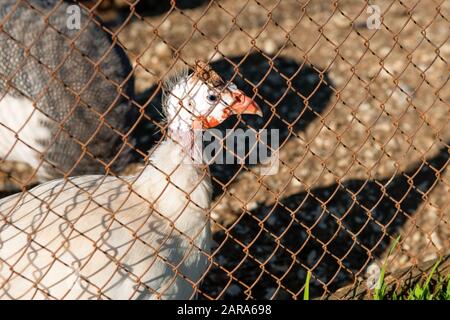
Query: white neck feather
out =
(174, 179)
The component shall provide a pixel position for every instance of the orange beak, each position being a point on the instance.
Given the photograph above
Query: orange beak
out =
(241, 105)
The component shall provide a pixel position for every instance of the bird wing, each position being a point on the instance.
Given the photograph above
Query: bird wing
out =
(93, 237)
(74, 239)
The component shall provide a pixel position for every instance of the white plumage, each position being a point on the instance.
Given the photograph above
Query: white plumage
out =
(20, 128)
(92, 221)
(139, 237)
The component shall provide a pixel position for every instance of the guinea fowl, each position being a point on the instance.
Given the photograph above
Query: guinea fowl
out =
(137, 237)
(64, 94)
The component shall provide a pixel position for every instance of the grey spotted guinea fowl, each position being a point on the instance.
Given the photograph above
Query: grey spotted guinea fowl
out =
(137, 237)
(64, 94)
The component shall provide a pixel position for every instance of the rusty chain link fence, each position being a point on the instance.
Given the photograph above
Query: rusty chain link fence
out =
(359, 91)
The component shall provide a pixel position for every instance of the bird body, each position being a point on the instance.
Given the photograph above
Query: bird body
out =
(19, 131)
(76, 84)
(138, 237)
(108, 231)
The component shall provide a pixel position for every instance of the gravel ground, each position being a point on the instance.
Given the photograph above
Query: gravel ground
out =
(364, 126)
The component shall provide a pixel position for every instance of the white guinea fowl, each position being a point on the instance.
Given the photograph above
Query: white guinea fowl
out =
(138, 237)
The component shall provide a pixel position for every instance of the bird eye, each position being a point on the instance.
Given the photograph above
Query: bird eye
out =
(211, 98)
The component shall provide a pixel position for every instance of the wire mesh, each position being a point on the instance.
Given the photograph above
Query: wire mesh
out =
(358, 91)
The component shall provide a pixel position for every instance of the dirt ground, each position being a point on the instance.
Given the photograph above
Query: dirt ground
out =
(363, 116)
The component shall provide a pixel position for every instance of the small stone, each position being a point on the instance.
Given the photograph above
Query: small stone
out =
(215, 215)
(161, 49)
(166, 25)
(269, 47)
(416, 237)
(251, 205)
(372, 274)
(215, 56)
(295, 182)
(431, 256)
(384, 51)
(436, 241)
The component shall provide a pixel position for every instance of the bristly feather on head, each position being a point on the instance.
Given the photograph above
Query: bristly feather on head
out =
(172, 79)
(201, 71)
(204, 72)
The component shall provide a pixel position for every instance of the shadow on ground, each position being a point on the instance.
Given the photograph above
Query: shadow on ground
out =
(333, 230)
(158, 7)
(118, 12)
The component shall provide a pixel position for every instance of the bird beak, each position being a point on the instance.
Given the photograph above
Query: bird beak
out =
(243, 104)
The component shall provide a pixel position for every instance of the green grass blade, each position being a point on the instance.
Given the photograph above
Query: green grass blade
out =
(306, 291)
(430, 276)
(380, 288)
(393, 246)
(418, 292)
(426, 287)
(447, 293)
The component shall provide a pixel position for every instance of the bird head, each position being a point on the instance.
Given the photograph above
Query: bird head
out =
(203, 100)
